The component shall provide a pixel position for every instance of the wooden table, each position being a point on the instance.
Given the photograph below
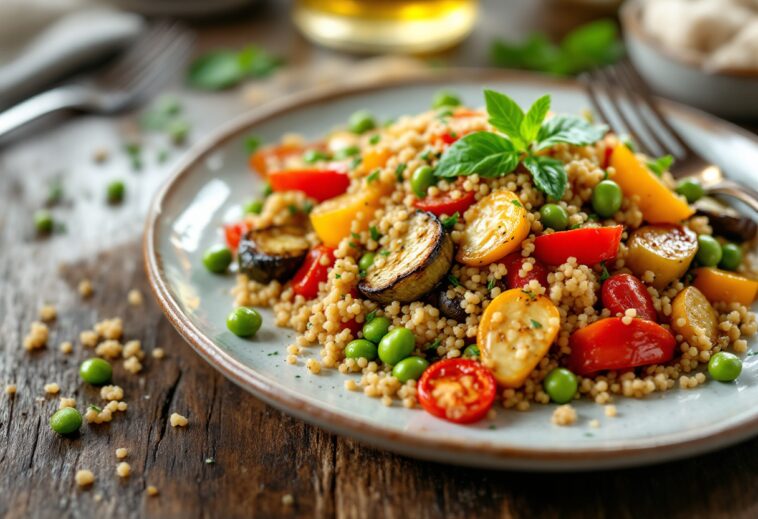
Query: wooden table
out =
(238, 457)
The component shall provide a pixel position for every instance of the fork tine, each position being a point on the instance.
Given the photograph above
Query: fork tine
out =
(640, 89)
(166, 60)
(140, 52)
(586, 79)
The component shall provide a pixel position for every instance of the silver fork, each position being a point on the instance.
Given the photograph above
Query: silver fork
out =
(634, 111)
(139, 73)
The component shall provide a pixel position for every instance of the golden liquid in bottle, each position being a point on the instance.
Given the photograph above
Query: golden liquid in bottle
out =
(386, 25)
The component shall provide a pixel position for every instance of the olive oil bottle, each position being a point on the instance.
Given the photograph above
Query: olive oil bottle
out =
(400, 26)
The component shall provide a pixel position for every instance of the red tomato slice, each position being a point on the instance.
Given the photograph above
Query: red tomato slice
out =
(611, 344)
(321, 184)
(312, 272)
(445, 204)
(623, 291)
(513, 263)
(234, 232)
(458, 390)
(589, 246)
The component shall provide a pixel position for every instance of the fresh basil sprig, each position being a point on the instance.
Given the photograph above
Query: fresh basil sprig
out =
(491, 154)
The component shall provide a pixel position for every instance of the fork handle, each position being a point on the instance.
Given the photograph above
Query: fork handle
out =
(742, 193)
(70, 96)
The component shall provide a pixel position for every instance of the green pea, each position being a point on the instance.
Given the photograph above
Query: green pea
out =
(43, 221)
(244, 322)
(607, 198)
(471, 352)
(690, 189)
(421, 180)
(376, 328)
(346, 152)
(266, 190)
(115, 192)
(312, 156)
(724, 366)
(396, 345)
(409, 368)
(178, 131)
(708, 251)
(360, 348)
(217, 258)
(96, 371)
(560, 384)
(731, 256)
(253, 207)
(554, 216)
(366, 261)
(445, 98)
(66, 420)
(361, 121)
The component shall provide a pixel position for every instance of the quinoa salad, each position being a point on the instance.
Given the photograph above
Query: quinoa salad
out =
(463, 258)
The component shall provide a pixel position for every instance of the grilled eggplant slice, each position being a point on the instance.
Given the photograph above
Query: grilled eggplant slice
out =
(274, 253)
(451, 307)
(726, 221)
(422, 260)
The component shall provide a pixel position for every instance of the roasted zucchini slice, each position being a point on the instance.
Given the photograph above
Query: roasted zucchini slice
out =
(274, 253)
(410, 271)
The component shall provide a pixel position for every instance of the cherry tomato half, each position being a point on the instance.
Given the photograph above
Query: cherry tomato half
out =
(513, 262)
(312, 271)
(457, 390)
(446, 204)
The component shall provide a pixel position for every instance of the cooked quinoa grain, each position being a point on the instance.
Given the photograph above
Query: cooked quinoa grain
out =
(564, 415)
(48, 313)
(134, 297)
(66, 402)
(151, 490)
(84, 477)
(178, 420)
(52, 388)
(37, 336)
(121, 453)
(85, 288)
(10, 389)
(123, 469)
(133, 365)
(66, 347)
(111, 393)
(158, 353)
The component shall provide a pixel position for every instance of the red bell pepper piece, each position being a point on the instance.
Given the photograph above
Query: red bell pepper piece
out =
(234, 232)
(589, 246)
(445, 204)
(320, 184)
(312, 271)
(513, 263)
(623, 291)
(611, 344)
(448, 138)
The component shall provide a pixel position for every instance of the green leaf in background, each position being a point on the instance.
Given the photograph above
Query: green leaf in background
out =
(548, 175)
(661, 164)
(484, 153)
(592, 45)
(569, 129)
(530, 126)
(222, 69)
(505, 115)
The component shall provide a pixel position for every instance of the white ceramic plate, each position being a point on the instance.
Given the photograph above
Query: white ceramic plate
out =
(186, 217)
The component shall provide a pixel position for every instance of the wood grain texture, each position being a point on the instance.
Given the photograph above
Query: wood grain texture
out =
(238, 457)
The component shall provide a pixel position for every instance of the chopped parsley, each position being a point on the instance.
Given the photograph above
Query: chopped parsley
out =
(94, 408)
(516, 203)
(449, 222)
(374, 233)
(426, 155)
(374, 176)
(307, 206)
(535, 324)
(355, 235)
(384, 252)
(529, 293)
(370, 316)
(453, 280)
(605, 274)
(293, 209)
(337, 276)
(353, 244)
(399, 170)
(374, 139)
(434, 345)
(252, 143)
(356, 162)
(490, 284)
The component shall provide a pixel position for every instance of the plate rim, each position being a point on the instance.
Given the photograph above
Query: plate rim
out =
(450, 449)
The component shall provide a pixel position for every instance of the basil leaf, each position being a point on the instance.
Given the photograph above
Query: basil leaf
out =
(485, 153)
(215, 71)
(569, 129)
(505, 115)
(548, 175)
(256, 62)
(592, 45)
(661, 164)
(530, 126)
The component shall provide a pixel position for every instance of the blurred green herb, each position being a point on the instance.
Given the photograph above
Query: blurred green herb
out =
(661, 164)
(226, 68)
(592, 45)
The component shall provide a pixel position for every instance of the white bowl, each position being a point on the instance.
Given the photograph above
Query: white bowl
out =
(732, 94)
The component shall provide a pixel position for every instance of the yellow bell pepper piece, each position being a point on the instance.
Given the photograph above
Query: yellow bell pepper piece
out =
(694, 317)
(656, 201)
(374, 158)
(332, 219)
(719, 285)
